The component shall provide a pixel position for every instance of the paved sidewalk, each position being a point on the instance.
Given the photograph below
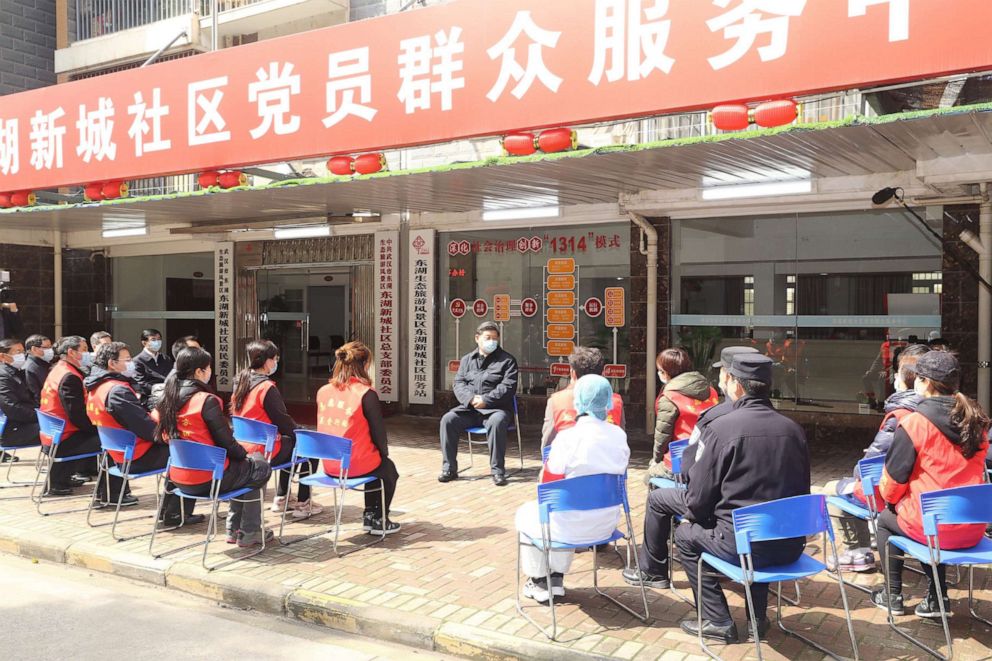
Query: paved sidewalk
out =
(447, 579)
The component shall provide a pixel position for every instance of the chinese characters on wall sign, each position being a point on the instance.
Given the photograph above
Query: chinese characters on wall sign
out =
(482, 68)
(421, 306)
(386, 277)
(224, 297)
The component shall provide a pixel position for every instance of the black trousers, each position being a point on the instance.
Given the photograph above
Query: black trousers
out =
(692, 540)
(158, 457)
(78, 443)
(19, 434)
(662, 505)
(388, 475)
(286, 454)
(456, 421)
(888, 526)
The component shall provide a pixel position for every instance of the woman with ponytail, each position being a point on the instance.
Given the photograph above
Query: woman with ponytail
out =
(941, 446)
(190, 411)
(349, 407)
(256, 397)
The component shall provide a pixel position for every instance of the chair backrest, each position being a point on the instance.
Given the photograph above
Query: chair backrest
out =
(971, 504)
(798, 516)
(197, 456)
(117, 440)
(676, 448)
(589, 492)
(870, 471)
(50, 426)
(317, 445)
(3, 422)
(255, 432)
(545, 451)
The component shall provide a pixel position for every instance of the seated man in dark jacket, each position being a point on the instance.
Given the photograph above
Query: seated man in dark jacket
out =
(16, 400)
(112, 401)
(485, 386)
(752, 455)
(40, 355)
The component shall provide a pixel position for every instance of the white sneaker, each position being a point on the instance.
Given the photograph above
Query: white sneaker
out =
(306, 509)
(279, 503)
(537, 589)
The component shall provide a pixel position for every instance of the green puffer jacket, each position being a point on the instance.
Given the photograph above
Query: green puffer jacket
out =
(690, 384)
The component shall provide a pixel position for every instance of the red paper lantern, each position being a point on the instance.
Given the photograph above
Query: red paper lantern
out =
(370, 163)
(554, 140)
(232, 179)
(24, 198)
(93, 192)
(208, 179)
(5, 201)
(520, 144)
(776, 113)
(734, 117)
(114, 189)
(341, 165)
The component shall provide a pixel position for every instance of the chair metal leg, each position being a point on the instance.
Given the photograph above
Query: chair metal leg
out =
(971, 597)
(637, 563)
(101, 474)
(471, 455)
(699, 611)
(376, 539)
(10, 484)
(293, 476)
(754, 616)
(520, 609)
(905, 634)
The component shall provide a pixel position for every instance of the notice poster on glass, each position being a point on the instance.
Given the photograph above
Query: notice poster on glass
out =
(421, 302)
(386, 275)
(223, 322)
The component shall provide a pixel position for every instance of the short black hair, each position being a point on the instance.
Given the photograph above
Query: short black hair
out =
(149, 333)
(68, 342)
(486, 326)
(8, 344)
(586, 360)
(35, 341)
(754, 388)
(180, 344)
(108, 352)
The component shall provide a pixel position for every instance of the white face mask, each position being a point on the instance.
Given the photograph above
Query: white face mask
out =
(48, 354)
(275, 366)
(129, 370)
(17, 362)
(489, 346)
(661, 377)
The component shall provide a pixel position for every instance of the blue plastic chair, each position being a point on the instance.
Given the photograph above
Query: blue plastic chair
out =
(585, 493)
(53, 427)
(675, 449)
(263, 434)
(514, 427)
(326, 447)
(799, 516)
(200, 456)
(972, 504)
(123, 441)
(12, 451)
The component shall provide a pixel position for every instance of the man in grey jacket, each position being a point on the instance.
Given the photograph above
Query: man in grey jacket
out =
(485, 386)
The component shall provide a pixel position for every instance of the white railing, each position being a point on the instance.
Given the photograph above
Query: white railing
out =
(99, 17)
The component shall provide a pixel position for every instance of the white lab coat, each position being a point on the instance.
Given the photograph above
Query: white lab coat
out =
(591, 447)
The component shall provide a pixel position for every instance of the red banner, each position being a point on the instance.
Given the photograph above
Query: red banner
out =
(471, 68)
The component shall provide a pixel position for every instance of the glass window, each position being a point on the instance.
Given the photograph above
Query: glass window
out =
(829, 297)
(172, 293)
(490, 263)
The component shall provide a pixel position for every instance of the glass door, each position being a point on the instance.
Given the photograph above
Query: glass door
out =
(306, 313)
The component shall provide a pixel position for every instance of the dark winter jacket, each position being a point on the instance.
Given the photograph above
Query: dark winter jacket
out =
(35, 372)
(16, 400)
(122, 403)
(494, 377)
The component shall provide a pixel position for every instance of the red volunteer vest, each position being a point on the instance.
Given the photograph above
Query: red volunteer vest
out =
(193, 428)
(96, 409)
(339, 412)
(939, 465)
(51, 403)
(689, 411)
(254, 409)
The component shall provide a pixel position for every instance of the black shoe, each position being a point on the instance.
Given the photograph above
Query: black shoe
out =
(634, 577)
(58, 491)
(499, 479)
(930, 609)
(76, 482)
(84, 477)
(881, 600)
(6, 457)
(128, 500)
(172, 520)
(447, 476)
(376, 527)
(725, 634)
(763, 626)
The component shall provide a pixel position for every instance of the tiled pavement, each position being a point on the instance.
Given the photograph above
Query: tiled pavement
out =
(455, 560)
